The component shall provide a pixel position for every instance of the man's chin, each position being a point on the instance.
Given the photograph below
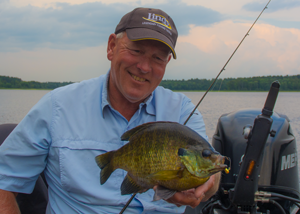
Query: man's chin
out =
(136, 97)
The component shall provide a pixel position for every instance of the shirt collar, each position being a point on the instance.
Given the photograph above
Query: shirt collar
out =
(150, 108)
(105, 98)
(150, 105)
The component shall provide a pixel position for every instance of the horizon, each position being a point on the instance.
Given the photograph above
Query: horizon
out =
(163, 79)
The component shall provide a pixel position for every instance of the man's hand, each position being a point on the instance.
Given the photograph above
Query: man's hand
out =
(193, 197)
(8, 204)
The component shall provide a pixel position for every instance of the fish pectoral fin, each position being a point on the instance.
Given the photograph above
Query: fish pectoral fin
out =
(129, 186)
(166, 175)
(163, 193)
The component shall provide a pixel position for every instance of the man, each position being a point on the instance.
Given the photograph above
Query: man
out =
(70, 126)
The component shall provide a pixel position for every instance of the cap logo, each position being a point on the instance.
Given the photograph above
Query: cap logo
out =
(158, 19)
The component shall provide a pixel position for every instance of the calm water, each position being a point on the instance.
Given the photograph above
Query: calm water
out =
(14, 105)
(217, 103)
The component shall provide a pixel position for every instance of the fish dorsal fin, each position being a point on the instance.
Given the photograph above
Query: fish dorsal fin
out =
(129, 186)
(166, 175)
(131, 132)
(139, 128)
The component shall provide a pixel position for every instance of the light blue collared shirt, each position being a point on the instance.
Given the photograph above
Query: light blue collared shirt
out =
(64, 132)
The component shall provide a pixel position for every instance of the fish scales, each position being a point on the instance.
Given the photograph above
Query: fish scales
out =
(145, 155)
(152, 158)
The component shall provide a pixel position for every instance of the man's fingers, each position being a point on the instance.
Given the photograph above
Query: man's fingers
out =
(193, 197)
(199, 191)
(185, 198)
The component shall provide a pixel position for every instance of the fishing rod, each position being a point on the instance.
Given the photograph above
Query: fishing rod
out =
(127, 204)
(132, 197)
(247, 34)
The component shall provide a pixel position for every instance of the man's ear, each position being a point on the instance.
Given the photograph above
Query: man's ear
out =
(111, 45)
(169, 58)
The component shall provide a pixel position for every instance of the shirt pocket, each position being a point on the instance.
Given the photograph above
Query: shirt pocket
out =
(80, 174)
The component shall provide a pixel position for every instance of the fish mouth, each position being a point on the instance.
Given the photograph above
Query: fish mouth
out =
(139, 79)
(220, 165)
(223, 166)
(217, 168)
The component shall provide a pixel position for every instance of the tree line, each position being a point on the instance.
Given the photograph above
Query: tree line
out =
(263, 83)
(17, 83)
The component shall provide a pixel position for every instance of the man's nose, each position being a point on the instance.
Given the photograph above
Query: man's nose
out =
(144, 65)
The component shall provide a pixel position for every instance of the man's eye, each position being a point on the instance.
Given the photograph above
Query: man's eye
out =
(160, 59)
(135, 50)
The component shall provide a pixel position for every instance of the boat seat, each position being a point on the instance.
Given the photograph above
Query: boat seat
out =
(36, 202)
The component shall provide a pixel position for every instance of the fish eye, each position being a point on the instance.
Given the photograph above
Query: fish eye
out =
(206, 153)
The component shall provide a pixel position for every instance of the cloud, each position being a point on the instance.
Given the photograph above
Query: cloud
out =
(55, 65)
(268, 50)
(67, 42)
(274, 5)
(72, 27)
(67, 27)
(51, 3)
(185, 15)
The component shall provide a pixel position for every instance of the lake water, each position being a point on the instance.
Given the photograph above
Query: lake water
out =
(217, 103)
(14, 105)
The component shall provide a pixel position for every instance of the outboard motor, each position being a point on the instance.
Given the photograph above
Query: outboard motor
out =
(264, 165)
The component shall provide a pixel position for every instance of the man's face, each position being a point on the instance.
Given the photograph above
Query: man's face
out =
(137, 67)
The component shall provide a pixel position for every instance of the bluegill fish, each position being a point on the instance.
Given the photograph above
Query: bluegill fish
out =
(167, 154)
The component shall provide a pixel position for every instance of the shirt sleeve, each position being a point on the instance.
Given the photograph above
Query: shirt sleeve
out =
(196, 121)
(23, 155)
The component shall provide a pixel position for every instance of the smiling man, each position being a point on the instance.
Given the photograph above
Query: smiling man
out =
(137, 68)
(71, 125)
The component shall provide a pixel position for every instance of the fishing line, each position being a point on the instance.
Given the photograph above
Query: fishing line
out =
(214, 85)
(221, 84)
(247, 34)
(128, 202)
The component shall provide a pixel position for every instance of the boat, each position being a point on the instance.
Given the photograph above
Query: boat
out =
(264, 176)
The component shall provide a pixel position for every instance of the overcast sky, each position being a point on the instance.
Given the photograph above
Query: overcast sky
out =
(65, 40)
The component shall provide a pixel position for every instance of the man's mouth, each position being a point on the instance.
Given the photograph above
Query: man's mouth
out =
(140, 79)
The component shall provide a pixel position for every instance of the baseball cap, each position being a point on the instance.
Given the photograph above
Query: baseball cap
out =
(149, 23)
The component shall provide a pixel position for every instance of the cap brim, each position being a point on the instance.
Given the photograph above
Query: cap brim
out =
(135, 34)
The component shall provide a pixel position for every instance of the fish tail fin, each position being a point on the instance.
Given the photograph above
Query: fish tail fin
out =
(104, 162)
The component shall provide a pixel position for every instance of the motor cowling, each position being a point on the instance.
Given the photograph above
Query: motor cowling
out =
(279, 168)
